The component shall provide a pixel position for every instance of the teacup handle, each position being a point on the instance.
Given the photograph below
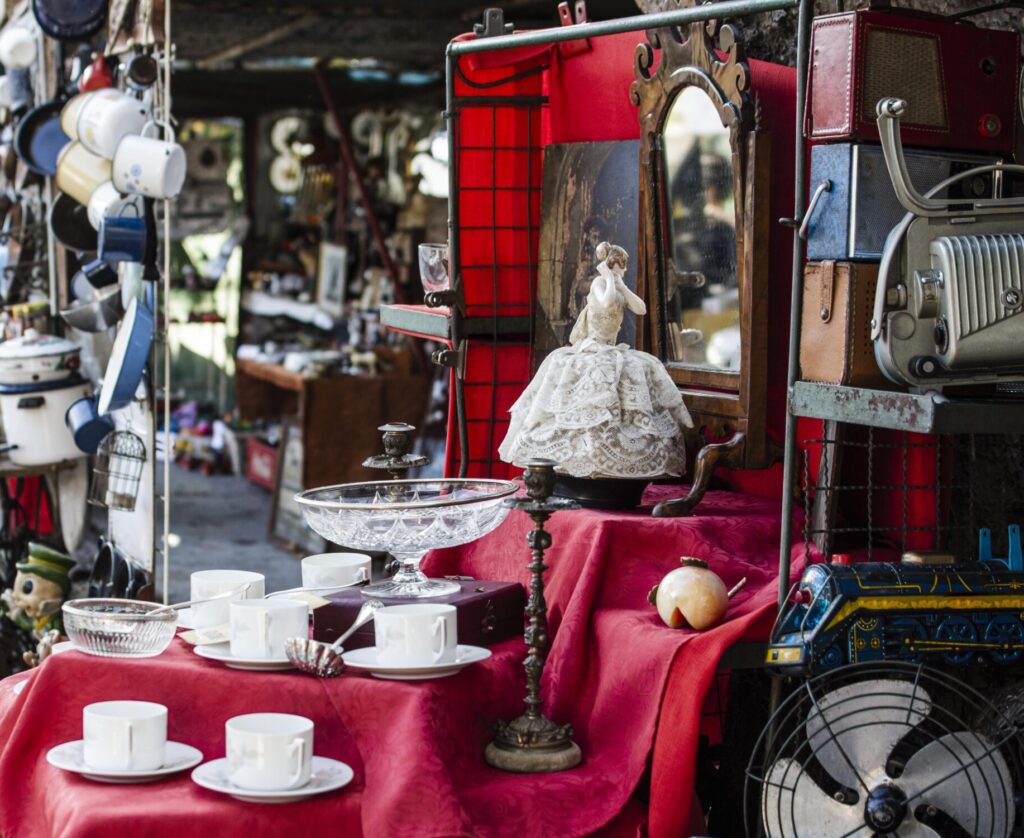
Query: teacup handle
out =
(129, 744)
(169, 135)
(264, 632)
(362, 575)
(440, 629)
(298, 750)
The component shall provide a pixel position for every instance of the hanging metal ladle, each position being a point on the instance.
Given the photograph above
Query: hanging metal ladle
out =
(324, 659)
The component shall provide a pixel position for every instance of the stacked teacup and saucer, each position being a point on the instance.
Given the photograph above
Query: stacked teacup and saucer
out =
(415, 642)
(124, 742)
(269, 759)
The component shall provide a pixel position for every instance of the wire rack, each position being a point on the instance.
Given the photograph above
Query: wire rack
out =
(877, 493)
(118, 471)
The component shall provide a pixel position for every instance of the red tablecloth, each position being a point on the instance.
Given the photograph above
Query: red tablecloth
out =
(416, 747)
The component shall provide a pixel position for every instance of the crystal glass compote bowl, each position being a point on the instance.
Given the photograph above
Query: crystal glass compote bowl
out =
(407, 518)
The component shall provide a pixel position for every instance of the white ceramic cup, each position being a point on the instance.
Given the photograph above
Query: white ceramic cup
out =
(124, 735)
(80, 172)
(17, 48)
(326, 570)
(269, 751)
(210, 583)
(259, 627)
(106, 118)
(147, 166)
(106, 200)
(416, 635)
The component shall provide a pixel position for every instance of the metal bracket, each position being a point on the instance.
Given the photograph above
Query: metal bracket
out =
(454, 358)
(493, 25)
(567, 49)
(802, 225)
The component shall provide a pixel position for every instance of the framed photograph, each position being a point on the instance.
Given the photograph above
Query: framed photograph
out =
(287, 524)
(330, 279)
(590, 193)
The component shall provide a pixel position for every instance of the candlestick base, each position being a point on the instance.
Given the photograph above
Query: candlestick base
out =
(532, 745)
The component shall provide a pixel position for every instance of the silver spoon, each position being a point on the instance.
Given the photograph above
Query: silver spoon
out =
(177, 606)
(323, 659)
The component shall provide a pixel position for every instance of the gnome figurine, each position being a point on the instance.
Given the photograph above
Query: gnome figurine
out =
(33, 603)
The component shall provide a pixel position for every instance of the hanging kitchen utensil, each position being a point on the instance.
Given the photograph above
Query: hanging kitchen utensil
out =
(128, 358)
(69, 221)
(118, 471)
(33, 416)
(87, 427)
(96, 76)
(39, 138)
(96, 313)
(141, 71)
(114, 574)
(70, 20)
(37, 359)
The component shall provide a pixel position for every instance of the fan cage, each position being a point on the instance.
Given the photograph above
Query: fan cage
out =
(955, 708)
(117, 472)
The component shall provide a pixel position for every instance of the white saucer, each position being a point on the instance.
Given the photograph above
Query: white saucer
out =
(221, 652)
(328, 775)
(366, 659)
(178, 757)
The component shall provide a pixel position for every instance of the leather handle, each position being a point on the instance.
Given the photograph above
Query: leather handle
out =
(826, 286)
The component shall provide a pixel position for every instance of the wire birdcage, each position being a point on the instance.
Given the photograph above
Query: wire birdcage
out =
(118, 471)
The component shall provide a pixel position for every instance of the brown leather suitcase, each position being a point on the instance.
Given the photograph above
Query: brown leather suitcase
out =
(959, 80)
(835, 336)
(488, 612)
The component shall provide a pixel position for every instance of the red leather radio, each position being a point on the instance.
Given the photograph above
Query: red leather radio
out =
(960, 80)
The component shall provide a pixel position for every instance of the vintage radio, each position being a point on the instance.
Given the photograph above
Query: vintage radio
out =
(949, 308)
(857, 209)
(835, 336)
(960, 81)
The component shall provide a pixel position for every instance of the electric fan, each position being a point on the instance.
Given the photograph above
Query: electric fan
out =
(884, 749)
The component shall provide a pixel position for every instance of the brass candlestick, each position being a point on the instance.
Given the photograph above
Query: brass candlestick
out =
(532, 743)
(396, 459)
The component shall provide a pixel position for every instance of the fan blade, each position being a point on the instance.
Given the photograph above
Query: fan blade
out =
(853, 729)
(793, 805)
(961, 774)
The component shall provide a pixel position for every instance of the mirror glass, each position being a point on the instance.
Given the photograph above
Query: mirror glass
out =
(702, 294)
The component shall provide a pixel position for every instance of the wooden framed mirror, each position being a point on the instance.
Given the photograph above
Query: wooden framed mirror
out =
(704, 207)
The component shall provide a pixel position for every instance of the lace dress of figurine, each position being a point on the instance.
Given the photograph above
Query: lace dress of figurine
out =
(597, 408)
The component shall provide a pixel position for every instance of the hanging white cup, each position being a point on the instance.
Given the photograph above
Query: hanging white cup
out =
(106, 118)
(17, 48)
(144, 165)
(80, 172)
(105, 200)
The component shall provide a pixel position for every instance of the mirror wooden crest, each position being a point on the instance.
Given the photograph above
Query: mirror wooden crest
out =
(703, 209)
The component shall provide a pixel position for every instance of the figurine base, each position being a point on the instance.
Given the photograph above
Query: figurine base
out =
(602, 492)
(533, 760)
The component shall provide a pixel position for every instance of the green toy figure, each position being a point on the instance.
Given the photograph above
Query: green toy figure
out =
(33, 603)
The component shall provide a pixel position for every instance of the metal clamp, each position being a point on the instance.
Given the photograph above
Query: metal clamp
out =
(454, 358)
(493, 25)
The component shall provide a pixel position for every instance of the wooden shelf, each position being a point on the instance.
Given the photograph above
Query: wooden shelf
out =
(435, 323)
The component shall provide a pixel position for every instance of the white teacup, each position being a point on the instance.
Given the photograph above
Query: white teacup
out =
(328, 570)
(105, 200)
(210, 583)
(269, 751)
(416, 635)
(147, 166)
(106, 118)
(124, 735)
(260, 627)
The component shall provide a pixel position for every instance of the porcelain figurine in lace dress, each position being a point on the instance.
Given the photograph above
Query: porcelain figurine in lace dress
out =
(598, 408)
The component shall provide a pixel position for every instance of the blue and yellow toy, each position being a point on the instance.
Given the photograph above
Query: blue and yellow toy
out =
(924, 607)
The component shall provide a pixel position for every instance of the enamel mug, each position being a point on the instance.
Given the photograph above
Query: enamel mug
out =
(124, 735)
(144, 165)
(106, 118)
(105, 200)
(122, 235)
(80, 172)
(17, 48)
(70, 112)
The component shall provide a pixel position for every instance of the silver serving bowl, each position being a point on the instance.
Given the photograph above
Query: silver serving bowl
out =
(119, 628)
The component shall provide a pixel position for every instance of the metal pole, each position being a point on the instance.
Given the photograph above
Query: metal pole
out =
(455, 313)
(637, 23)
(796, 299)
(165, 539)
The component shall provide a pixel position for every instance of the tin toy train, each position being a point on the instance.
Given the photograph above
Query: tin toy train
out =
(925, 607)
